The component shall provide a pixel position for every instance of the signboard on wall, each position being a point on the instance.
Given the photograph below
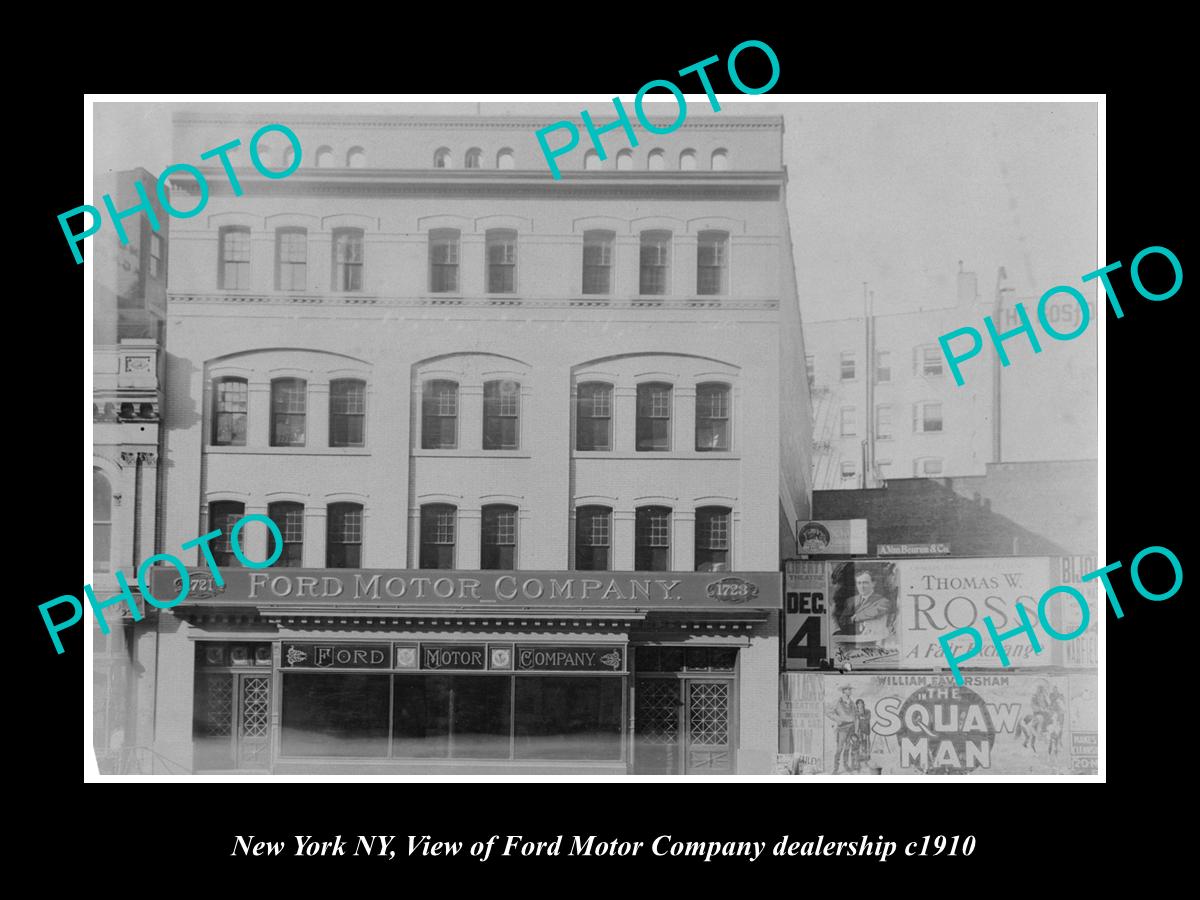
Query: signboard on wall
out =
(902, 723)
(833, 537)
(1081, 652)
(805, 623)
(863, 614)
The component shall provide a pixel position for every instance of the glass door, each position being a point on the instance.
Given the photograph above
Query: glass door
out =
(683, 726)
(709, 728)
(233, 721)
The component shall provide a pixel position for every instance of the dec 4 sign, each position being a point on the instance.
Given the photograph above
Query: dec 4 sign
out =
(804, 614)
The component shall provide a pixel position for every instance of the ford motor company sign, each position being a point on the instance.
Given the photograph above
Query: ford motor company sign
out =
(446, 588)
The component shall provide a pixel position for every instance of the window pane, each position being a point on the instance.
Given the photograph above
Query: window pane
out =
(334, 715)
(222, 516)
(593, 417)
(593, 534)
(451, 716)
(289, 518)
(288, 398)
(439, 411)
(655, 261)
(568, 717)
(343, 536)
(711, 262)
(712, 417)
(653, 539)
(654, 417)
(712, 539)
(499, 544)
(437, 537)
(347, 408)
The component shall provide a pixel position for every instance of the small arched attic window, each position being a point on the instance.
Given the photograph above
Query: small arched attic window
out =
(625, 160)
(591, 160)
(324, 157)
(356, 158)
(474, 158)
(504, 159)
(687, 161)
(720, 160)
(441, 158)
(289, 155)
(657, 160)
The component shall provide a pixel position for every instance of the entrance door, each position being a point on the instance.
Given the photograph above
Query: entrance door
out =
(683, 726)
(233, 724)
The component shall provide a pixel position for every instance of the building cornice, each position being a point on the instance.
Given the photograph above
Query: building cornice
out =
(364, 300)
(467, 123)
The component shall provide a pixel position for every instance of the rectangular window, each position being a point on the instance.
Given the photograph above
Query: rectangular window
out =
(439, 415)
(235, 258)
(809, 370)
(593, 538)
(348, 259)
(712, 417)
(927, 417)
(502, 261)
(501, 410)
(848, 470)
(883, 422)
(712, 539)
(343, 536)
(443, 261)
(156, 255)
(654, 417)
(712, 262)
(291, 259)
(655, 262)
(229, 412)
(437, 537)
(593, 418)
(333, 714)
(560, 717)
(848, 422)
(347, 412)
(929, 361)
(499, 545)
(848, 361)
(883, 366)
(597, 262)
(289, 519)
(288, 402)
(451, 716)
(652, 550)
(928, 468)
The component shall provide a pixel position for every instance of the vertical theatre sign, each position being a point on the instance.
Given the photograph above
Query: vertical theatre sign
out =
(804, 615)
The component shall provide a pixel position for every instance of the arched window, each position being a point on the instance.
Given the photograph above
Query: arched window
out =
(712, 539)
(591, 160)
(712, 262)
(439, 415)
(687, 161)
(593, 416)
(289, 519)
(438, 528)
(656, 160)
(501, 414)
(720, 160)
(289, 156)
(655, 270)
(347, 412)
(652, 547)
(291, 259)
(441, 158)
(598, 261)
(504, 159)
(289, 401)
(712, 417)
(101, 522)
(343, 536)
(474, 158)
(356, 158)
(593, 538)
(229, 412)
(222, 516)
(324, 157)
(653, 416)
(347, 259)
(625, 160)
(235, 258)
(443, 260)
(499, 538)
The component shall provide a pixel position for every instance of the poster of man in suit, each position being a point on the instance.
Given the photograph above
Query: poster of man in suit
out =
(864, 614)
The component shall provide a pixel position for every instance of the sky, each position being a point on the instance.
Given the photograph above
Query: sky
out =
(891, 194)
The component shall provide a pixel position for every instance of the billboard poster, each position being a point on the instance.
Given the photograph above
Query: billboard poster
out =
(1085, 723)
(940, 595)
(801, 713)
(1081, 652)
(900, 723)
(805, 627)
(863, 614)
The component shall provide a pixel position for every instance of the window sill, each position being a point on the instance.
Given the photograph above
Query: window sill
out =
(289, 451)
(655, 454)
(474, 453)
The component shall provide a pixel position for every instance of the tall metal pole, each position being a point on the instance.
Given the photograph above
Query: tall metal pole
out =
(869, 374)
(1001, 275)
